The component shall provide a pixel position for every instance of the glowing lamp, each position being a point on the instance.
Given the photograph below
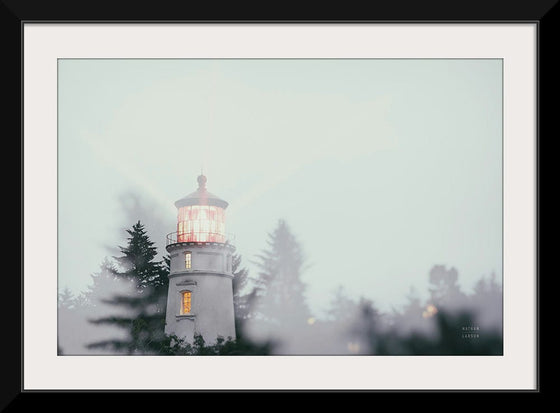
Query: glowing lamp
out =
(201, 216)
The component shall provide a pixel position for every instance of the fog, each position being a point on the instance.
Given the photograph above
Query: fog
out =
(384, 169)
(76, 331)
(349, 325)
(394, 164)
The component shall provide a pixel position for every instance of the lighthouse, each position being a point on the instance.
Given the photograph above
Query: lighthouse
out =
(200, 295)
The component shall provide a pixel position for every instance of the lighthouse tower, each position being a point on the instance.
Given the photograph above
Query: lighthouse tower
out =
(200, 295)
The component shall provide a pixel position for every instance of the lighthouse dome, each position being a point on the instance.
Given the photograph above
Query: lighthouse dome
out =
(201, 196)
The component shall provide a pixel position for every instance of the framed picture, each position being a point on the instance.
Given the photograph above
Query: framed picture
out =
(381, 179)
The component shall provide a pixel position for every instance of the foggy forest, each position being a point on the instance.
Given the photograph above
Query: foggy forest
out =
(122, 312)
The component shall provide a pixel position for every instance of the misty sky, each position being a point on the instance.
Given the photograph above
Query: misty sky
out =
(381, 168)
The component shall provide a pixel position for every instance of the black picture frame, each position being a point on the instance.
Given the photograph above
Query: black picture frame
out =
(15, 13)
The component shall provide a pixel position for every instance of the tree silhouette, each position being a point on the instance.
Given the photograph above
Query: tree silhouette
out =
(280, 290)
(445, 291)
(144, 320)
(241, 300)
(138, 262)
(486, 303)
(277, 306)
(412, 316)
(350, 324)
(102, 285)
(66, 299)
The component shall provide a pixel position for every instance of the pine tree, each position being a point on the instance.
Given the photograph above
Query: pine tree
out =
(137, 260)
(72, 313)
(103, 284)
(65, 315)
(66, 299)
(413, 316)
(243, 305)
(445, 291)
(486, 302)
(342, 309)
(280, 290)
(145, 303)
(241, 301)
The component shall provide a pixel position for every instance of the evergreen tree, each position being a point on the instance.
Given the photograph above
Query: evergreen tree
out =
(139, 266)
(343, 309)
(445, 291)
(75, 311)
(413, 316)
(280, 290)
(144, 320)
(138, 262)
(66, 299)
(65, 315)
(243, 305)
(488, 290)
(103, 284)
(486, 302)
(241, 301)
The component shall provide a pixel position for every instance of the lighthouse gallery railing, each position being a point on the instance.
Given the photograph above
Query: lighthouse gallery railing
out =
(202, 237)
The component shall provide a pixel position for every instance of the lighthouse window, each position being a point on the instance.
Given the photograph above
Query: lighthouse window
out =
(186, 302)
(188, 260)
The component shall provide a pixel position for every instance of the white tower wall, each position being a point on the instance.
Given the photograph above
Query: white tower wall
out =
(209, 280)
